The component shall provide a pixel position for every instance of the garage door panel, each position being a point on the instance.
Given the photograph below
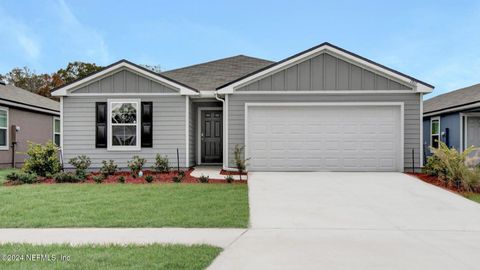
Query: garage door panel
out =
(324, 138)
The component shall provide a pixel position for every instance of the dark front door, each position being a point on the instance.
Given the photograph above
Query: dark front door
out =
(211, 136)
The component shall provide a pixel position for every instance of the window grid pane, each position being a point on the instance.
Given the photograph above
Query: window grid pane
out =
(3, 119)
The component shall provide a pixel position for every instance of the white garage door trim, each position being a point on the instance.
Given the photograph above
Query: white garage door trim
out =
(332, 104)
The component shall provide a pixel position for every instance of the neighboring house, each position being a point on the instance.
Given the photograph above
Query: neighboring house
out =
(453, 118)
(324, 109)
(24, 117)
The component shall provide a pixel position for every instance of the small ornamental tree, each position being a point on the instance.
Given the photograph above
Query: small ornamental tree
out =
(240, 160)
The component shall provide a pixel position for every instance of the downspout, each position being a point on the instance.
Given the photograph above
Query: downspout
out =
(224, 141)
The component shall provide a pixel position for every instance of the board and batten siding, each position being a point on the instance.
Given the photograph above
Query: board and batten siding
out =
(236, 116)
(324, 72)
(168, 131)
(124, 81)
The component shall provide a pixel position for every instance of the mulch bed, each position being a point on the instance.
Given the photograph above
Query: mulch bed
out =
(436, 181)
(157, 178)
(223, 172)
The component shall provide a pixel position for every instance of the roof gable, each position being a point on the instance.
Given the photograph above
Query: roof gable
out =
(134, 76)
(324, 72)
(124, 81)
(337, 52)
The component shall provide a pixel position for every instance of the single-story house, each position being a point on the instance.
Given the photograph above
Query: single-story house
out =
(24, 117)
(453, 118)
(323, 109)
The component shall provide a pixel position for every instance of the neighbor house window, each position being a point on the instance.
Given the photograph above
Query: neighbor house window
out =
(123, 124)
(435, 132)
(3, 128)
(56, 130)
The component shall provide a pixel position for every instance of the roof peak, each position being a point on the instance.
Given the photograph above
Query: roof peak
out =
(217, 60)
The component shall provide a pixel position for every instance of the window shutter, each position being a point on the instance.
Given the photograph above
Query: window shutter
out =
(101, 125)
(147, 124)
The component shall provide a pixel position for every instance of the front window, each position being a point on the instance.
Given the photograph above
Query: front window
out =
(124, 124)
(4, 128)
(435, 132)
(56, 131)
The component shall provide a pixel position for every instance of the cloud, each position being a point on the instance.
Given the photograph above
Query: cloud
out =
(12, 29)
(82, 38)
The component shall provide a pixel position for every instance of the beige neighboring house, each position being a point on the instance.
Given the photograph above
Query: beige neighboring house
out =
(24, 117)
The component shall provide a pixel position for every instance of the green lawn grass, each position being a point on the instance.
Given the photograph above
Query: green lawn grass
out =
(3, 174)
(473, 196)
(124, 205)
(169, 257)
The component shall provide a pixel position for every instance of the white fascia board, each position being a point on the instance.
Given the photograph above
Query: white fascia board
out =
(65, 91)
(418, 86)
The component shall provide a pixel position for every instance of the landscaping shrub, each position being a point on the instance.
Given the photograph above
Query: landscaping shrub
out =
(66, 177)
(161, 163)
(434, 166)
(22, 177)
(121, 179)
(98, 178)
(204, 178)
(240, 161)
(149, 178)
(229, 179)
(450, 166)
(42, 159)
(136, 165)
(81, 164)
(179, 177)
(108, 168)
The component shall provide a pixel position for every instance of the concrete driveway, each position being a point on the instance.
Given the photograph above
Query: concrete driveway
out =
(354, 221)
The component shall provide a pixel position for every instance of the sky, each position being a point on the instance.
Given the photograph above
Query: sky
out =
(435, 41)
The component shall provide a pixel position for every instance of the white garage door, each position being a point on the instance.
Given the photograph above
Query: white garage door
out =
(324, 138)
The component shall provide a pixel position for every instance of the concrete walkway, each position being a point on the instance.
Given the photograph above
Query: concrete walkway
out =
(216, 237)
(347, 221)
(213, 172)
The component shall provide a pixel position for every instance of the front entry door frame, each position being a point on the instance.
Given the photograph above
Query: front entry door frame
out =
(199, 132)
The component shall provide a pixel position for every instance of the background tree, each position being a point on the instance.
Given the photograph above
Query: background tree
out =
(154, 68)
(42, 84)
(77, 70)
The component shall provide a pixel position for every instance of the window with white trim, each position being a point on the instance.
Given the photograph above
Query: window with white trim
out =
(56, 131)
(435, 132)
(124, 124)
(4, 128)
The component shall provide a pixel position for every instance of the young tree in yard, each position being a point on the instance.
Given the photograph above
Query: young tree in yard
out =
(240, 160)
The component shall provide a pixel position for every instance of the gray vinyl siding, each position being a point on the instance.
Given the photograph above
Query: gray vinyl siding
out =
(125, 81)
(450, 121)
(324, 72)
(236, 116)
(168, 131)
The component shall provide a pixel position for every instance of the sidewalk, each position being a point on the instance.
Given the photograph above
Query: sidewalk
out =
(216, 237)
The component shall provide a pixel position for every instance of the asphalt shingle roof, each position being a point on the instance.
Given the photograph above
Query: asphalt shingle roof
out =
(18, 95)
(453, 99)
(210, 75)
